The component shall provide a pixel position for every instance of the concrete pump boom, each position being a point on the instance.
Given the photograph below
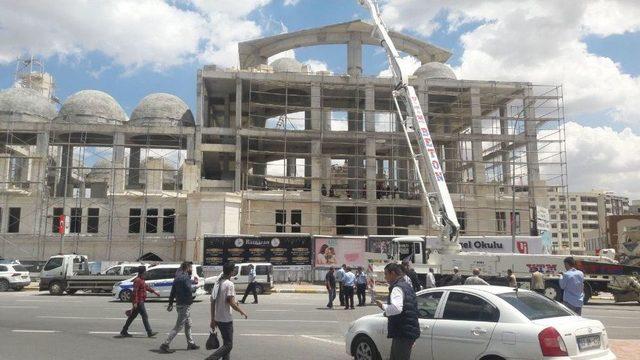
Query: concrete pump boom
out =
(444, 217)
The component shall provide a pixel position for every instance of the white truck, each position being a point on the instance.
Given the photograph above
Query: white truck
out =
(70, 273)
(602, 274)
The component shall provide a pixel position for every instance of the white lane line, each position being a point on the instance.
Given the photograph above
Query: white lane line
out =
(50, 301)
(268, 335)
(36, 331)
(80, 318)
(296, 321)
(322, 340)
(17, 307)
(289, 310)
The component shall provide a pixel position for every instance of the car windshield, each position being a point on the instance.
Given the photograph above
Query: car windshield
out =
(19, 268)
(534, 306)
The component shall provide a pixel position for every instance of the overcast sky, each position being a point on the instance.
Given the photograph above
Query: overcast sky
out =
(130, 48)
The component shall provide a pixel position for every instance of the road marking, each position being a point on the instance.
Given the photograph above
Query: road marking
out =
(80, 318)
(49, 301)
(322, 340)
(269, 335)
(36, 331)
(298, 321)
(17, 307)
(289, 310)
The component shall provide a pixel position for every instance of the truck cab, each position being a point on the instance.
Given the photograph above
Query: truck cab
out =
(408, 248)
(60, 267)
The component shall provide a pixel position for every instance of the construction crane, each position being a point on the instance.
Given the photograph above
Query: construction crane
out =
(438, 200)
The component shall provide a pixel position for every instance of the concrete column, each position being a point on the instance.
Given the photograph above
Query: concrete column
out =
(318, 170)
(372, 220)
(371, 169)
(316, 107)
(190, 147)
(533, 167)
(239, 90)
(476, 145)
(66, 167)
(134, 166)
(238, 165)
(506, 154)
(369, 107)
(326, 120)
(117, 159)
(291, 167)
(4, 171)
(227, 111)
(39, 163)
(354, 56)
(403, 165)
(154, 175)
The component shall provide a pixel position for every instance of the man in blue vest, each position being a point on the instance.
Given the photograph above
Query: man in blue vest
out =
(401, 311)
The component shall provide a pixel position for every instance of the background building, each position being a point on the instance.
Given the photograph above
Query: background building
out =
(273, 148)
(579, 216)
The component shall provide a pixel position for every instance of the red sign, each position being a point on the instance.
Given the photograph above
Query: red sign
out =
(61, 225)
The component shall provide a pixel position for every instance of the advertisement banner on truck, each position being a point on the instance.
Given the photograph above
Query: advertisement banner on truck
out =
(282, 251)
(335, 251)
(502, 244)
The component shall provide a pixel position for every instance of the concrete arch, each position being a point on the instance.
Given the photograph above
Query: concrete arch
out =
(354, 34)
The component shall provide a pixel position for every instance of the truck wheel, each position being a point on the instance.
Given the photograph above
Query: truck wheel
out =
(4, 285)
(56, 288)
(552, 291)
(125, 295)
(259, 289)
(71, 291)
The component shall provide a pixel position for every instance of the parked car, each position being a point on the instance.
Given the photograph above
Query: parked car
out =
(124, 269)
(264, 277)
(486, 322)
(160, 277)
(13, 276)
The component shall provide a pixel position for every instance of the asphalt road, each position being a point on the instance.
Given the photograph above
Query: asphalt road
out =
(282, 326)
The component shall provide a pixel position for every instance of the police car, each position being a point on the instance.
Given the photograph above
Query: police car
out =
(160, 277)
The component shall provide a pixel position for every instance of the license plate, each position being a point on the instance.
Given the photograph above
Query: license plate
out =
(589, 342)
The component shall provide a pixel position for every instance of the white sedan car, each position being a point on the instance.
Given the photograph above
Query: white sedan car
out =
(486, 323)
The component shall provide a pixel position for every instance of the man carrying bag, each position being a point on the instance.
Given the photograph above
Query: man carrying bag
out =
(222, 301)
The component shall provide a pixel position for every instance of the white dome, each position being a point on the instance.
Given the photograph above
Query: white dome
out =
(91, 107)
(20, 104)
(435, 70)
(162, 109)
(286, 65)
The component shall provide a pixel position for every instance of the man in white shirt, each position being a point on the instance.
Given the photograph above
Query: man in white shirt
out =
(431, 280)
(475, 279)
(401, 311)
(222, 301)
(339, 278)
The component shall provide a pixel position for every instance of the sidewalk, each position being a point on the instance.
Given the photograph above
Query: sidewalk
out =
(306, 288)
(625, 349)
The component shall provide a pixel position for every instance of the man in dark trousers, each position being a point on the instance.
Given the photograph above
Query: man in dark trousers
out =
(330, 283)
(456, 278)
(361, 286)
(339, 278)
(413, 276)
(222, 301)
(182, 293)
(252, 285)
(401, 311)
(138, 297)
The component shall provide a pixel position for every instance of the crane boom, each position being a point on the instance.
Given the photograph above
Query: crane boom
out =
(444, 217)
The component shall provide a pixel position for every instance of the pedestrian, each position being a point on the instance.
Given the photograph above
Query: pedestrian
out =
(412, 275)
(511, 279)
(475, 279)
(330, 283)
(431, 279)
(572, 282)
(348, 283)
(253, 283)
(182, 292)
(456, 278)
(223, 299)
(361, 286)
(401, 311)
(339, 278)
(138, 297)
(537, 282)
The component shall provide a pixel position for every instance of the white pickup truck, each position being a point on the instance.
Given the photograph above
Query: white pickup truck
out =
(70, 273)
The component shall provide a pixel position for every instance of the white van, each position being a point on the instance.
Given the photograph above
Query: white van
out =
(264, 277)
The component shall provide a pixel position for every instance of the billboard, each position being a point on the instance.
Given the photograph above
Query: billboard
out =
(283, 251)
(502, 244)
(335, 251)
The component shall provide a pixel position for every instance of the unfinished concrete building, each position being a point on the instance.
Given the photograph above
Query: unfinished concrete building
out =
(273, 148)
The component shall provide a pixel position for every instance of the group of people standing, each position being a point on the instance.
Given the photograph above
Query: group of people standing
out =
(343, 283)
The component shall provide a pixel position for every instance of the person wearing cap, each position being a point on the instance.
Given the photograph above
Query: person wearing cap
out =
(138, 297)
(456, 278)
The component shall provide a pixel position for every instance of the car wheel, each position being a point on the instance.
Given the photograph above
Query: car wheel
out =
(125, 295)
(71, 291)
(365, 349)
(55, 288)
(552, 291)
(4, 285)
(259, 289)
